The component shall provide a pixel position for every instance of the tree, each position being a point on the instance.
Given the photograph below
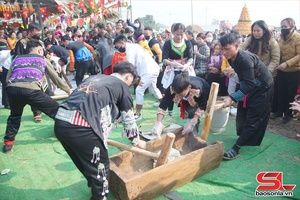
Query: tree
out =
(148, 21)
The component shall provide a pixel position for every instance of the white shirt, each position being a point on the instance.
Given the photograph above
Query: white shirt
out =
(141, 59)
(5, 59)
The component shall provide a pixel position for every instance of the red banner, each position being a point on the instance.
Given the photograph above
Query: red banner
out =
(91, 4)
(43, 10)
(69, 21)
(71, 6)
(84, 10)
(105, 12)
(7, 15)
(59, 8)
(16, 24)
(80, 22)
(24, 13)
(81, 4)
(101, 3)
(56, 21)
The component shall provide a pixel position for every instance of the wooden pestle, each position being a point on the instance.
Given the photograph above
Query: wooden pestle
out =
(166, 149)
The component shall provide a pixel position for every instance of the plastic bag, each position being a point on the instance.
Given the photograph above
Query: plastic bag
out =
(168, 77)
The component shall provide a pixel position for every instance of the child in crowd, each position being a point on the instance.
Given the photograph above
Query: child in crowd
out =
(232, 80)
(214, 69)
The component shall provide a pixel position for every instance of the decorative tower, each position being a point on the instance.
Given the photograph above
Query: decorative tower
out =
(244, 23)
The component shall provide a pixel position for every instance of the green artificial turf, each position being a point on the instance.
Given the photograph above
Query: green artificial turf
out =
(41, 169)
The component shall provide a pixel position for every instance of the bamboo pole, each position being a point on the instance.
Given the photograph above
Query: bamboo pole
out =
(66, 79)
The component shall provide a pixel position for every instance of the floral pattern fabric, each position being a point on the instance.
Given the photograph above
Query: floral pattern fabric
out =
(129, 124)
(106, 123)
(191, 100)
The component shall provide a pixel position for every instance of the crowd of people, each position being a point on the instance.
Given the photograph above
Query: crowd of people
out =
(259, 71)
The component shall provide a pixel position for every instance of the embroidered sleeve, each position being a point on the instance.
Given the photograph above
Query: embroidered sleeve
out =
(130, 128)
(135, 141)
(199, 112)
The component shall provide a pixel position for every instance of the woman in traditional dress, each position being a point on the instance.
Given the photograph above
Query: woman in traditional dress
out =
(177, 54)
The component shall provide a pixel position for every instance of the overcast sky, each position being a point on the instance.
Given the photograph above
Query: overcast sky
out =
(170, 11)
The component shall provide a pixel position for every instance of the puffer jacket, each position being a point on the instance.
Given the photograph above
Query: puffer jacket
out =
(290, 52)
(271, 58)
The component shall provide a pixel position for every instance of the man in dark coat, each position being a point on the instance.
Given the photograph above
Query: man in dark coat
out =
(253, 96)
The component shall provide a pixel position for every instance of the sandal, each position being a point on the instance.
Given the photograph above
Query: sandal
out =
(230, 154)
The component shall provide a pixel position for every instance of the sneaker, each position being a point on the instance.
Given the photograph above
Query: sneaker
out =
(137, 117)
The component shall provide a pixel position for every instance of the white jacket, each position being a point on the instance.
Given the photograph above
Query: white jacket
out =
(141, 59)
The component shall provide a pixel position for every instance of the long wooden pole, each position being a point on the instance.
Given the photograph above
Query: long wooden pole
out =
(209, 110)
(65, 77)
(133, 149)
(58, 97)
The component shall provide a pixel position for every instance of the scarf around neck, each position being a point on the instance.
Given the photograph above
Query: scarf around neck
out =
(180, 45)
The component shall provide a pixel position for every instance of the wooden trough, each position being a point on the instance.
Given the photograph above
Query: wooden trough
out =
(132, 176)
